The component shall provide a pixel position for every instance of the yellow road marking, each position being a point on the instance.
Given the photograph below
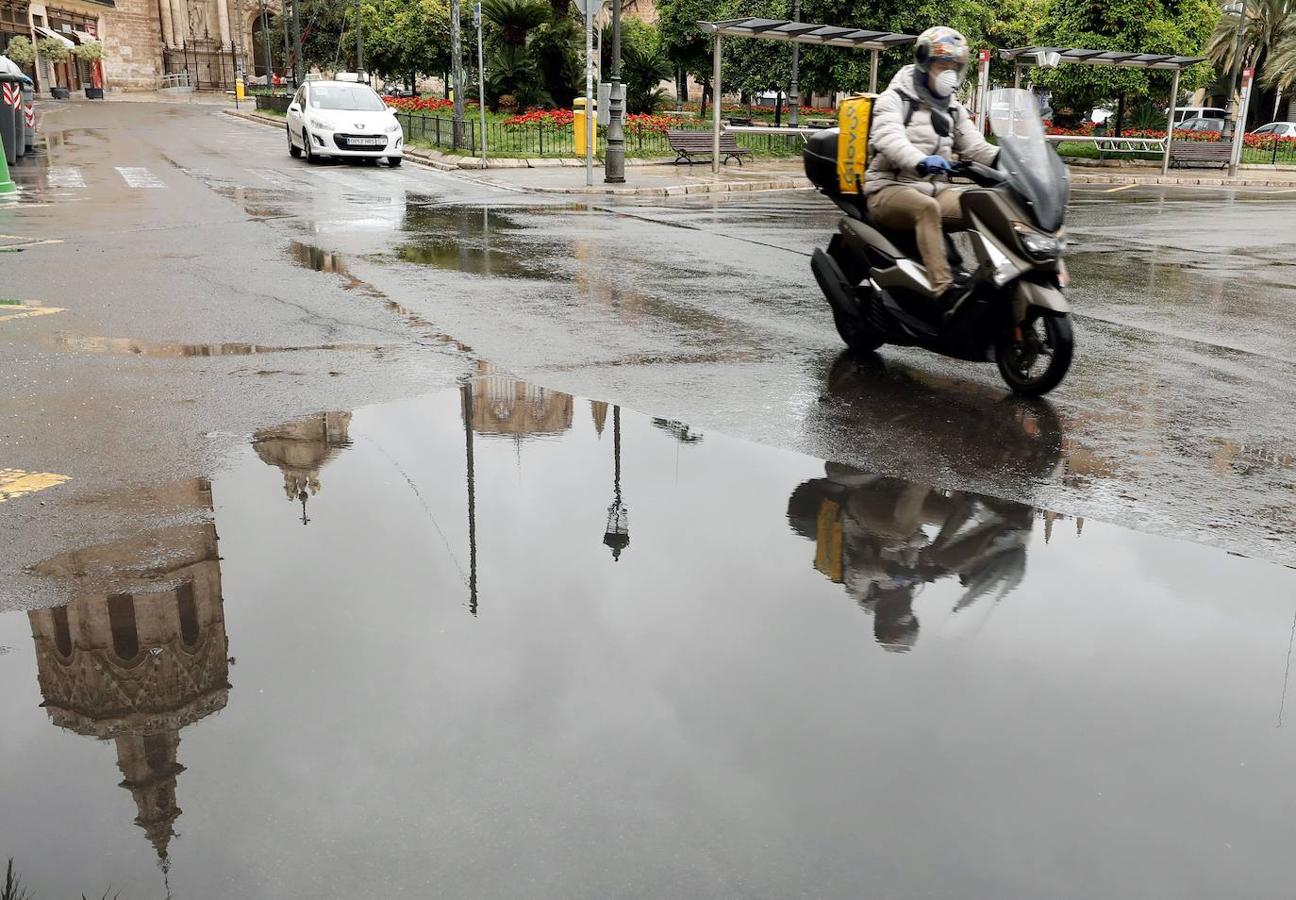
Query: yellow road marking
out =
(1123, 187)
(16, 482)
(27, 312)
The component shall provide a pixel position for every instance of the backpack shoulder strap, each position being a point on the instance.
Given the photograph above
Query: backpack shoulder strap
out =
(909, 107)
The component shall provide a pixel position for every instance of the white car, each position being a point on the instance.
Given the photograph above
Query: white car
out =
(343, 118)
(1280, 129)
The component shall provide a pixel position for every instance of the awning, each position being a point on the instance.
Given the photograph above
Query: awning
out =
(50, 33)
(84, 37)
(803, 33)
(1029, 56)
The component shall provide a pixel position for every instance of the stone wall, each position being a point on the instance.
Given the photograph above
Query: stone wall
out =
(133, 46)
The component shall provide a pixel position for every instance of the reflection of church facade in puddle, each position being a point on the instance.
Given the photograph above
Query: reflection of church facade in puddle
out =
(503, 405)
(140, 651)
(301, 448)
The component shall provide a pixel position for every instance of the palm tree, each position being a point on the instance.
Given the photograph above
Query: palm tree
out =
(1268, 26)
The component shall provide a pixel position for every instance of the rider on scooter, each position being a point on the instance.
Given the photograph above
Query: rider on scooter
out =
(918, 124)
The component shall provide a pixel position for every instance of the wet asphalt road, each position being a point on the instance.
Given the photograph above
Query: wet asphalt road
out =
(339, 516)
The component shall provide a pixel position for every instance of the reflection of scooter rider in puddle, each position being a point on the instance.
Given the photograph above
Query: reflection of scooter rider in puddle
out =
(882, 538)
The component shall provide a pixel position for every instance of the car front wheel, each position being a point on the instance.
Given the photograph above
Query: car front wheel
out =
(393, 161)
(293, 150)
(310, 154)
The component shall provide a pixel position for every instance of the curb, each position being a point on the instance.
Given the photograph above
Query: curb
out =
(1180, 181)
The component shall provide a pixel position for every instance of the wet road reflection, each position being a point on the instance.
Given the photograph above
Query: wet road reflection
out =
(466, 650)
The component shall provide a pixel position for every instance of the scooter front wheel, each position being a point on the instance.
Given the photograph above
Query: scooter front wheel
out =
(859, 337)
(1034, 357)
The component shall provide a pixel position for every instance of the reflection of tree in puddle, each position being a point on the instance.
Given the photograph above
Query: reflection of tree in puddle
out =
(301, 448)
(883, 539)
(140, 651)
(477, 241)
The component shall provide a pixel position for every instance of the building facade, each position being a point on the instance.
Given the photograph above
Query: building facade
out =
(144, 39)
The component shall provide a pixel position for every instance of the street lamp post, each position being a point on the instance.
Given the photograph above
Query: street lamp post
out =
(1238, 8)
(614, 160)
(359, 42)
(794, 90)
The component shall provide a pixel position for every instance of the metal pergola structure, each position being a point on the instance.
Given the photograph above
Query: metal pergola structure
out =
(794, 32)
(1051, 57)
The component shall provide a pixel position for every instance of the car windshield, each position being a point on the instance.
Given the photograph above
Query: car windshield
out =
(345, 96)
(1037, 174)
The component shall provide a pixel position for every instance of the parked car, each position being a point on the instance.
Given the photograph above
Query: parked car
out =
(343, 118)
(1100, 115)
(1200, 125)
(1278, 129)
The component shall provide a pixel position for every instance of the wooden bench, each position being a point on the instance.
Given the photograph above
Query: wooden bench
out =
(1215, 153)
(688, 144)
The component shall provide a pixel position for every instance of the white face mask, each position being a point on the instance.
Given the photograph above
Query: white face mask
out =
(944, 83)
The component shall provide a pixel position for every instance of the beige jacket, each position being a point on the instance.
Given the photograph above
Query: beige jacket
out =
(897, 149)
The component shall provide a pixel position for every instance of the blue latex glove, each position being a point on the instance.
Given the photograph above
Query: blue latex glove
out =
(933, 164)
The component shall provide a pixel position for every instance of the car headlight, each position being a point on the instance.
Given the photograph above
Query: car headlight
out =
(393, 128)
(321, 125)
(1038, 244)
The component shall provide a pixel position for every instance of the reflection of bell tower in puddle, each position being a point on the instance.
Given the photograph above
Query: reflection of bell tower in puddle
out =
(494, 404)
(140, 651)
(301, 448)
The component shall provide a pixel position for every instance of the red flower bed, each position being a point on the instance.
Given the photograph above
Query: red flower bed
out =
(555, 117)
(419, 104)
(643, 123)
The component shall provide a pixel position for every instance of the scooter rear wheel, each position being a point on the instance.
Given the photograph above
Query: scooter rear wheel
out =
(1034, 358)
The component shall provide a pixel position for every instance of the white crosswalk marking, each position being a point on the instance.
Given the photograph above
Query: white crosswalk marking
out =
(139, 177)
(65, 177)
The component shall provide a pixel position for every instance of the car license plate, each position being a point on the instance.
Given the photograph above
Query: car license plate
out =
(369, 141)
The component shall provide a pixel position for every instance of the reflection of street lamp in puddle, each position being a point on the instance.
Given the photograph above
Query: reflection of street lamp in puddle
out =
(617, 533)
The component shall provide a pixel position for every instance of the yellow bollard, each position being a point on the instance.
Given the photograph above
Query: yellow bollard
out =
(240, 91)
(578, 128)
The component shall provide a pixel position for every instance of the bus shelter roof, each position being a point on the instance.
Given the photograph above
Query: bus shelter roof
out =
(1030, 56)
(804, 33)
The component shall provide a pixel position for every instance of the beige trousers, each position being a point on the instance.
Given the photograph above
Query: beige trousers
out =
(902, 207)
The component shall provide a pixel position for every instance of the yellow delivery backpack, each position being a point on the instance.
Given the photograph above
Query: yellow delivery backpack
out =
(854, 118)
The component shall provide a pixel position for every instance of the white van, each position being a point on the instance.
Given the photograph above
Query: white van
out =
(1198, 112)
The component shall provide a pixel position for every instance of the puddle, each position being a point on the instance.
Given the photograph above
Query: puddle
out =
(479, 241)
(636, 659)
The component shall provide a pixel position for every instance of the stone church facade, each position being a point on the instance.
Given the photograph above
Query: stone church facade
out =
(145, 39)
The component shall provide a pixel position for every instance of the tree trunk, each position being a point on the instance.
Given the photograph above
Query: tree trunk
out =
(778, 108)
(706, 92)
(681, 84)
(1120, 116)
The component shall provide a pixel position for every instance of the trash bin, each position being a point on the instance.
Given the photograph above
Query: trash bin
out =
(29, 113)
(10, 115)
(578, 127)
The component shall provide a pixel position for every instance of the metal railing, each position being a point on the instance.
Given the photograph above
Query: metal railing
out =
(547, 139)
(175, 83)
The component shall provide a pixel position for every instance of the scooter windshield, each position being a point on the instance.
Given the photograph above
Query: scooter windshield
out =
(1036, 173)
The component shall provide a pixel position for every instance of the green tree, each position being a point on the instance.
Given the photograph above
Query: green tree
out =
(684, 44)
(406, 38)
(1180, 27)
(1268, 44)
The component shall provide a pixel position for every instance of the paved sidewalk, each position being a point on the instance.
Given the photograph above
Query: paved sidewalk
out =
(657, 180)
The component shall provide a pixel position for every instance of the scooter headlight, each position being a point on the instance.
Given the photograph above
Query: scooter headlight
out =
(1039, 245)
